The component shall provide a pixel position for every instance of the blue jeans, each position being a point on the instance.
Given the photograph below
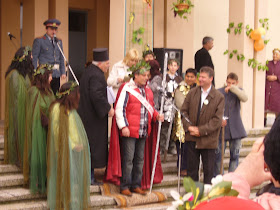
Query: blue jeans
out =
(132, 160)
(234, 147)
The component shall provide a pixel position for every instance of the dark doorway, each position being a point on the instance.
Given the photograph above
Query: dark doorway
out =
(77, 42)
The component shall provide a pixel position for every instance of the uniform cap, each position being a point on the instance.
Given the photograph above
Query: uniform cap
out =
(52, 23)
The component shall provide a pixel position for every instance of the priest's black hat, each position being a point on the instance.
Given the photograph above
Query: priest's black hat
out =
(52, 23)
(100, 54)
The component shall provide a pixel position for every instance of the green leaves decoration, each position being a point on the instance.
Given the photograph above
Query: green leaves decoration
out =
(142, 66)
(135, 34)
(237, 29)
(253, 63)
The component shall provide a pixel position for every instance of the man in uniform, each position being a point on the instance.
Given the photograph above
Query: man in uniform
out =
(46, 51)
(94, 108)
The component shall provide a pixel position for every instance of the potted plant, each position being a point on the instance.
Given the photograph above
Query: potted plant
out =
(182, 8)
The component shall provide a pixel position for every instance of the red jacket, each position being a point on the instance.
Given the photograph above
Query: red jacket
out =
(128, 110)
(114, 172)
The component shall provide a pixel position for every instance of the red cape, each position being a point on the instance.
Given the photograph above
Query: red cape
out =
(114, 169)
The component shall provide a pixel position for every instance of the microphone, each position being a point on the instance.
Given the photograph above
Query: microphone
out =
(54, 38)
(11, 35)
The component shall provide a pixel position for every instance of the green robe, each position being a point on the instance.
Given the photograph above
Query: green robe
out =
(35, 147)
(16, 87)
(68, 160)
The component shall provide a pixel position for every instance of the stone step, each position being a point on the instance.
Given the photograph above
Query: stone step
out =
(11, 180)
(171, 167)
(20, 193)
(254, 132)
(7, 169)
(96, 202)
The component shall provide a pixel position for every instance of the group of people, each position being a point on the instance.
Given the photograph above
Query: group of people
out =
(59, 135)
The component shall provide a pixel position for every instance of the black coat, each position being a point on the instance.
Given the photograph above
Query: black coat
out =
(93, 110)
(203, 58)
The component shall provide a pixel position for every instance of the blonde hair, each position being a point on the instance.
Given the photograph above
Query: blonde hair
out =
(132, 54)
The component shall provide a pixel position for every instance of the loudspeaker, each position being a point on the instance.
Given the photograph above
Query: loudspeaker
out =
(172, 54)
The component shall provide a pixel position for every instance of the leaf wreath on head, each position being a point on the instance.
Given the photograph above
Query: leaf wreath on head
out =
(27, 49)
(141, 67)
(42, 68)
(67, 92)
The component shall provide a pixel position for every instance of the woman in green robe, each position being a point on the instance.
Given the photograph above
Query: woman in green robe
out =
(68, 153)
(17, 82)
(39, 99)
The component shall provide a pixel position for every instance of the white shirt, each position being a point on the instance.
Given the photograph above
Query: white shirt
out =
(204, 95)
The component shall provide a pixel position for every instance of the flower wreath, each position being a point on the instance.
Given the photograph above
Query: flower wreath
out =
(25, 53)
(67, 92)
(42, 68)
(142, 66)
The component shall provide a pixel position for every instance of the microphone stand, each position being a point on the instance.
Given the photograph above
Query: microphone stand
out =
(67, 63)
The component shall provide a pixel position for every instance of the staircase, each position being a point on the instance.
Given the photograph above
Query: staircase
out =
(14, 196)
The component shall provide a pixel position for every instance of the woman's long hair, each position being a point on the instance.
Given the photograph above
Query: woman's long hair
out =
(70, 101)
(154, 68)
(24, 67)
(41, 81)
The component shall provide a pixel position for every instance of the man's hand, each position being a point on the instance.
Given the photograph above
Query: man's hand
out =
(271, 78)
(194, 131)
(120, 80)
(125, 132)
(252, 167)
(111, 112)
(227, 89)
(160, 117)
(63, 76)
(224, 123)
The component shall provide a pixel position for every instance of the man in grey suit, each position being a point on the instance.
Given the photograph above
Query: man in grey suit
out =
(46, 51)
(234, 129)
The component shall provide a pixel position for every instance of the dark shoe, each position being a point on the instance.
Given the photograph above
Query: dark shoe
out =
(184, 173)
(126, 192)
(95, 182)
(139, 191)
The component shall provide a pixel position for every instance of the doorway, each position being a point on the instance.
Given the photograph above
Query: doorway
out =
(77, 42)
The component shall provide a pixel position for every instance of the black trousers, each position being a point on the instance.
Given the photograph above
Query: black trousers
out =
(193, 158)
(55, 84)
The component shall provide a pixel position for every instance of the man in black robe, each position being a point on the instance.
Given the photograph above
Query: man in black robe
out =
(94, 108)
(202, 56)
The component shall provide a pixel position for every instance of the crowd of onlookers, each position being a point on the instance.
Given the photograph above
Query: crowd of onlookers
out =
(59, 137)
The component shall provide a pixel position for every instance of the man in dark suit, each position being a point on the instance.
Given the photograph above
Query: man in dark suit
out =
(94, 108)
(46, 51)
(202, 56)
(204, 107)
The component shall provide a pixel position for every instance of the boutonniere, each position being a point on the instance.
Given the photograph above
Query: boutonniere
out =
(206, 102)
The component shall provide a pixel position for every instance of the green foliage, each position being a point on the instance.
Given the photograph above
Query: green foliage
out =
(237, 29)
(197, 189)
(264, 23)
(253, 63)
(240, 57)
(135, 39)
(140, 67)
(182, 13)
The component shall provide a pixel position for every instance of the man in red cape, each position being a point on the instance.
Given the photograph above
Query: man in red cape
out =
(114, 170)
